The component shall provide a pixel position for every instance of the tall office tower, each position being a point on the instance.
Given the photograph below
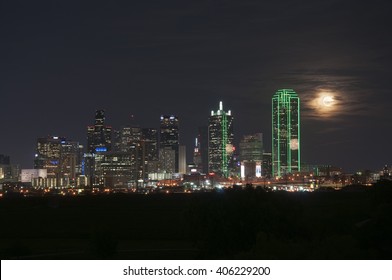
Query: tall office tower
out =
(5, 168)
(99, 135)
(116, 144)
(99, 141)
(286, 152)
(119, 169)
(267, 165)
(8, 172)
(167, 160)
(130, 142)
(150, 150)
(48, 154)
(251, 156)
(129, 135)
(182, 159)
(70, 162)
(197, 156)
(169, 137)
(200, 151)
(61, 158)
(150, 138)
(220, 144)
(4, 160)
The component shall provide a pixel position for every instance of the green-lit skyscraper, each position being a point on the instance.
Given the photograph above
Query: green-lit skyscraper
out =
(286, 152)
(220, 141)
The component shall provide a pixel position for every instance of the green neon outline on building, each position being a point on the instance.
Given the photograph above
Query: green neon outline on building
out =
(285, 131)
(224, 145)
(220, 138)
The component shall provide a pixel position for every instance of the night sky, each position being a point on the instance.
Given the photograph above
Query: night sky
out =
(62, 60)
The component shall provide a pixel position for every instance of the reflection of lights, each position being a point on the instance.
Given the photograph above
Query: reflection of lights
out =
(294, 144)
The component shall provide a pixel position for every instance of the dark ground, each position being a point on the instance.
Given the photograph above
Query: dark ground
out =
(355, 223)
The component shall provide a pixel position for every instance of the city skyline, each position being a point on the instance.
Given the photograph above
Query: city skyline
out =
(90, 129)
(62, 61)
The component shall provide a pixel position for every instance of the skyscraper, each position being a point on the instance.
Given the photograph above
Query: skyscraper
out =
(182, 160)
(61, 158)
(286, 153)
(47, 157)
(8, 171)
(129, 141)
(129, 135)
(167, 160)
(99, 140)
(99, 135)
(70, 162)
(150, 138)
(267, 165)
(120, 169)
(138, 147)
(251, 155)
(200, 152)
(220, 141)
(169, 137)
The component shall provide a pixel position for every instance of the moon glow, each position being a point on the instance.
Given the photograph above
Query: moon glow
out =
(325, 104)
(328, 101)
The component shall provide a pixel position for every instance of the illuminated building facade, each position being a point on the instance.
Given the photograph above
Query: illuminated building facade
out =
(70, 162)
(99, 135)
(134, 148)
(99, 141)
(8, 172)
(60, 158)
(29, 175)
(150, 150)
(150, 138)
(286, 152)
(182, 160)
(267, 165)
(167, 160)
(220, 141)
(48, 157)
(129, 135)
(200, 151)
(119, 169)
(251, 156)
(197, 161)
(169, 137)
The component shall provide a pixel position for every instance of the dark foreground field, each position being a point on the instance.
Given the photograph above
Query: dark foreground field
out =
(239, 224)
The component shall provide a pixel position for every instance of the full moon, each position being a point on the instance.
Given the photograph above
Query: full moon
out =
(328, 101)
(325, 103)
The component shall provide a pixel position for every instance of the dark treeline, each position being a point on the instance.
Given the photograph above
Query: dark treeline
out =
(354, 223)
